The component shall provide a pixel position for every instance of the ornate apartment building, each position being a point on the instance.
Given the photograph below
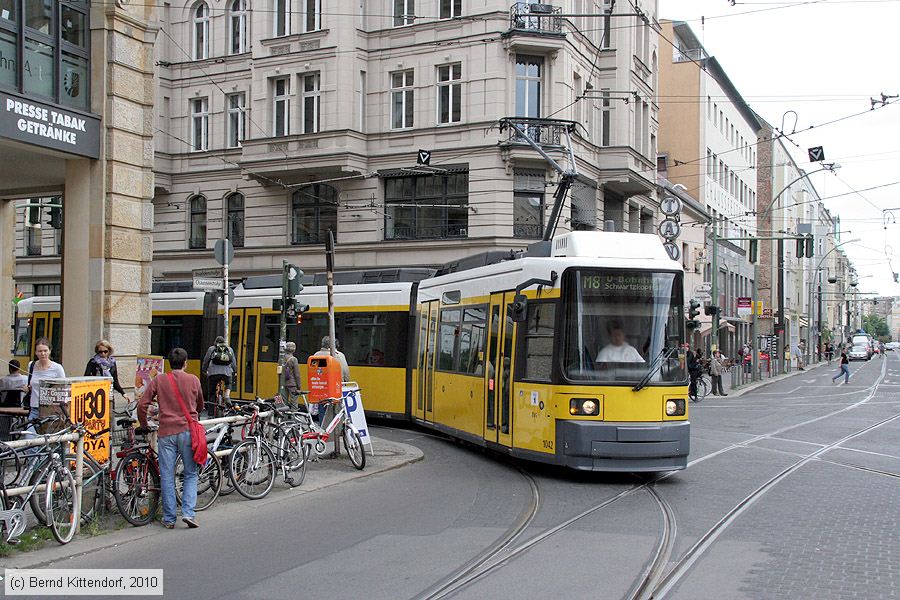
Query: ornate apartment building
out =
(281, 120)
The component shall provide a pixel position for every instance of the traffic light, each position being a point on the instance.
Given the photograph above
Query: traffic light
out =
(301, 308)
(711, 310)
(518, 309)
(55, 217)
(800, 247)
(810, 251)
(293, 275)
(753, 251)
(693, 312)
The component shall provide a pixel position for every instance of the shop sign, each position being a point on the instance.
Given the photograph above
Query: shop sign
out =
(49, 126)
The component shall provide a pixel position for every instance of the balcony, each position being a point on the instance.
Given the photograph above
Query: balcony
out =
(537, 18)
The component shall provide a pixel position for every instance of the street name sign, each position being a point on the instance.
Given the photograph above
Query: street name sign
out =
(208, 279)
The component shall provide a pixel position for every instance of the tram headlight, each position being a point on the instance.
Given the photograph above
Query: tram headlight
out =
(675, 408)
(584, 406)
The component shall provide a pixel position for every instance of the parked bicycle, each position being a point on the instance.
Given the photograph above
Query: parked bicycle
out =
(315, 438)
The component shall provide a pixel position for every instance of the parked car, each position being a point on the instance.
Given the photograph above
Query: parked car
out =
(865, 340)
(892, 346)
(859, 352)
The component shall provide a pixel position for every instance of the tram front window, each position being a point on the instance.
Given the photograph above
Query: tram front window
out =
(619, 323)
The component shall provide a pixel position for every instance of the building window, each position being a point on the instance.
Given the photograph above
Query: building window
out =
(33, 229)
(362, 101)
(282, 23)
(402, 100)
(606, 40)
(311, 103)
(451, 9)
(313, 213)
(528, 85)
(201, 31)
(237, 121)
(281, 107)
(312, 15)
(584, 206)
(238, 24)
(426, 206)
(235, 206)
(449, 93)
(199, 124)
(528, 204)
(198, 222)
(404, 12)
(606, 120)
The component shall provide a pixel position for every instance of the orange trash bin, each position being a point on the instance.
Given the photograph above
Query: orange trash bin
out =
(323, 377)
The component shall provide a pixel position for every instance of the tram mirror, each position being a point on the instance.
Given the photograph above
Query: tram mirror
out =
(519, 308)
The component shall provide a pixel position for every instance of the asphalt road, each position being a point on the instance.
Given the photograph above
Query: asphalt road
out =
(791, 493)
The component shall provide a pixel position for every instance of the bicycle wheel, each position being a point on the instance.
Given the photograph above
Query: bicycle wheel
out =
(252, 469)
(293, 459)
(702, 389)
(93, 488)
(209, 481)
(62, 514)
(354, 446)
(136, 488)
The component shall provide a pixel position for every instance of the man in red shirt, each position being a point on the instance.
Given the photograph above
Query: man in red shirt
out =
(175, 435)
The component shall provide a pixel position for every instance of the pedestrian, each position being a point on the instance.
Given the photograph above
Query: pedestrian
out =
(103, 364)
(716, 367)
(175, 435)
(218, 365)
(291, 374)
(845, 368)
(38, 370)
(12, 387)
(801, 353)
(345, 371)
(692, 362)
(829, 352)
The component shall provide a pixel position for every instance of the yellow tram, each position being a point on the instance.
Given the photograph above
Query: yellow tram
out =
(571, 359)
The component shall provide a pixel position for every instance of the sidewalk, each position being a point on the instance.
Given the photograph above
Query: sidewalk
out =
(388, 455)
(741, 390)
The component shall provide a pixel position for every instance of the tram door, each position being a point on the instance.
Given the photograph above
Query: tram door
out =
(428, 321)
(48, 325)
(244, 334)
(498, 374)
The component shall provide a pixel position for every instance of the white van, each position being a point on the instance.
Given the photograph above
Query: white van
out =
(863, 339)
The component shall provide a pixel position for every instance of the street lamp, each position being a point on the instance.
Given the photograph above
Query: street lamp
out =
(831, 167)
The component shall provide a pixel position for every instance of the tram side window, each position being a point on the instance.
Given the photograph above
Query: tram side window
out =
(373, 339)
(539, 336)
(270, 334)
(449, 336)
(170, 332)
(471, 340)
(309, 339)
(23, 338)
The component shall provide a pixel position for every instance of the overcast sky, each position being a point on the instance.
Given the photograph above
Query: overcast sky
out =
(823, 60)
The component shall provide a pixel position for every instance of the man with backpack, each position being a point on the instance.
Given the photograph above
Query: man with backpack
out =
(218, 365)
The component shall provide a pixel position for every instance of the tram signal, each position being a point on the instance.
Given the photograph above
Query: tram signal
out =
(293, 275)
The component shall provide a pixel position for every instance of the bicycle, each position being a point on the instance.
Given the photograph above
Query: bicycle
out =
(266, 448)
(314, 439)
(703, 386)
(136, 483)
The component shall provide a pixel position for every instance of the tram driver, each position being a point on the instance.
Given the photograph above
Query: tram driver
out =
(618, 350)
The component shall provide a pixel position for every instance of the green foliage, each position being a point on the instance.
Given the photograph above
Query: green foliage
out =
(875, 325)
(33, 539)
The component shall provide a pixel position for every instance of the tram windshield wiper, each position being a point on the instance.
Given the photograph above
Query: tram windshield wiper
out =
(664, 354)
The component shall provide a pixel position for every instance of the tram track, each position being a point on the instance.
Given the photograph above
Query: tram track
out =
(659, 576)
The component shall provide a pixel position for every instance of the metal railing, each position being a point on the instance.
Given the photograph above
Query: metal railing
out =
(542, 18)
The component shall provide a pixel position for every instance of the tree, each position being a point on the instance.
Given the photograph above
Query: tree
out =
(875, 325)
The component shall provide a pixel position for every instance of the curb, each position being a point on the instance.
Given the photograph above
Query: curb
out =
(386, 456)
(740, 391)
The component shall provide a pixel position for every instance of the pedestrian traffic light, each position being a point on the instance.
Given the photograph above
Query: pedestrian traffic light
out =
(55, 217)
(293, 275)
(754, 249)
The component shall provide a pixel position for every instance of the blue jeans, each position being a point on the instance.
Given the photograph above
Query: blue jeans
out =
(169, 448)
(34, 412)
(845, 371)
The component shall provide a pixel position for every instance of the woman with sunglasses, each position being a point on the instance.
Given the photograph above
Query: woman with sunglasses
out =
(104, 365)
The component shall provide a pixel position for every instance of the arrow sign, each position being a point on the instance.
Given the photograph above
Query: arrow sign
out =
(816, 154)
(424, 157)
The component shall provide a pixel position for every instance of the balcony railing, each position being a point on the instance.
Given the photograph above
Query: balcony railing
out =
(541, 18)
